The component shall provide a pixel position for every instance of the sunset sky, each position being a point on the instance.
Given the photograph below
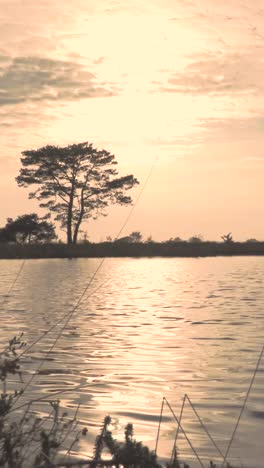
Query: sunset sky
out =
(178, 82)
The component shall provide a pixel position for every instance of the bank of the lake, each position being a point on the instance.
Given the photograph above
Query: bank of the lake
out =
(125, 249)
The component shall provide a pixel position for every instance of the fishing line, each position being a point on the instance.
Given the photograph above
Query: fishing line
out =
(186, 397)
(17, 276)
(179, 426)
(46, 398)
(77, 305)
(243, 406)
(184, 433)
(174, 448)
(159, 425)
(11, 287)
(97, 269)
(14, 282)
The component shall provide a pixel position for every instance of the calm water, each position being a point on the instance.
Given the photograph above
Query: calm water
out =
(156, 327)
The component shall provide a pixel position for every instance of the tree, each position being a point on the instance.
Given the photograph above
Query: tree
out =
(28, 228)
(175, 240)
(149, 239)
(75, 182)
(228, 238)
(6, 236)
(178, 239)
(196, 239)
(133, 238)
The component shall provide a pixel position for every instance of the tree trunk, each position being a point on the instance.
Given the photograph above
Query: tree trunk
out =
(69, 233)
(77, 226)
(69, 217)
(76, 232)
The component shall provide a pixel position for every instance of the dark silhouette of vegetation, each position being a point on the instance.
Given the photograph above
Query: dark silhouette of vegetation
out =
(29, 441)
(149, 239)
(132, 245)
(175, 239)
(28, 228)
(195, 240)
(130, 249)
(228, 238)
(75, 182)
(132, 238)
(128, 454)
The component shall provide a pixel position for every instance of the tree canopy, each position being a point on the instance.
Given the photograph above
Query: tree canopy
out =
(28, 228)
(75, 182)
(133, 238)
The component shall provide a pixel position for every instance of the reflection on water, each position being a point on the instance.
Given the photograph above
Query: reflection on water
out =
(156, 327)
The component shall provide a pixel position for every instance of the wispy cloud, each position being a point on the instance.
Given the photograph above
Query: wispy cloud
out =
(34, 78)
(221, 74)
(239, 127)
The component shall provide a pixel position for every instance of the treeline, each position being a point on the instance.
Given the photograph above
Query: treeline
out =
(130, 249)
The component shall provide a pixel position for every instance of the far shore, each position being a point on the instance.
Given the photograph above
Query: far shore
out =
(125, 249)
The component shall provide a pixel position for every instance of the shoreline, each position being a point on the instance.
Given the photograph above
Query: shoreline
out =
(120, 249)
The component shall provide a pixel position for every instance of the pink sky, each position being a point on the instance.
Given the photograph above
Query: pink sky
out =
(174, 79)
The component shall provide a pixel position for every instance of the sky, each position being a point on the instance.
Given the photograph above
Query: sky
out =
(172, 85)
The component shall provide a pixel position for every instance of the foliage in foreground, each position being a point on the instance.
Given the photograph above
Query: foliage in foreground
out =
(29, 441)
(129, 453)
(26, 440)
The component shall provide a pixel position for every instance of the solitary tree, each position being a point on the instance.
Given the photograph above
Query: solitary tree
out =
(28, 228)
(75, 182)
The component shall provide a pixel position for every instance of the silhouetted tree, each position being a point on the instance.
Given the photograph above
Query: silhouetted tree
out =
(85, 239)
(134, 237)
(175, 240)
(149, 239)
(227, 238)
(6, 236)
(28, 228)
(76, 182)
(196, 239)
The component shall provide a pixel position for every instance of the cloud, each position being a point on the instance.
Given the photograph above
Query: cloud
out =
(32, 79)
(219, 74)
(99, 61)
(237, 129)
(232, 142)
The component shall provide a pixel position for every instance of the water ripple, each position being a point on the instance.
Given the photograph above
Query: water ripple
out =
(159, 327)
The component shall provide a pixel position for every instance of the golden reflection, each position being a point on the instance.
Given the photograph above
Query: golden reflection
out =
(180, 330)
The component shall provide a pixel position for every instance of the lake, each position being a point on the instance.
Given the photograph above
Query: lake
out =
(152, 328)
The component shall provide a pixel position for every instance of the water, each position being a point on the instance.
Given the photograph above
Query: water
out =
(155, 327)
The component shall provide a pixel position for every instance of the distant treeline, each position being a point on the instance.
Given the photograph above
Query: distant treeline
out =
(133, 249)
